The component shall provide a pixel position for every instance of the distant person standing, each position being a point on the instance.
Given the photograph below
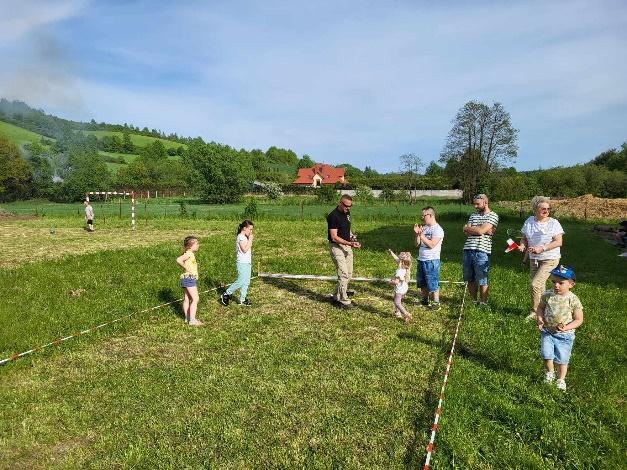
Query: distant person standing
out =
(542, 237)
(480, 228)
(341, 244)
(89, 215)
(429, 242)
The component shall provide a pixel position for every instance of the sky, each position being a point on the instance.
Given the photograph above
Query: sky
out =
(359, 82)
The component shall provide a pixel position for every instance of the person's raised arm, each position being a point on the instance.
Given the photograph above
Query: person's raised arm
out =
(181, 260)
(393, 255)
(245, 245)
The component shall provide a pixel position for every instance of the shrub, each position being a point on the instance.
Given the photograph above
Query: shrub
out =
(250, 210)
(273, 190)
(364, 194)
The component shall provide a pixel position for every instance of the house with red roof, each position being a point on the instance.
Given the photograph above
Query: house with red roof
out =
(320, 174)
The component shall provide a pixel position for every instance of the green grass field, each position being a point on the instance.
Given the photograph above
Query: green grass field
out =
(139, 140)
(293, 382)
(18, 135)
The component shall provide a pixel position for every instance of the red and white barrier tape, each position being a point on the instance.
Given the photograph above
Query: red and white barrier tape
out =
(334, 278)
(58, 341)
(438, 410)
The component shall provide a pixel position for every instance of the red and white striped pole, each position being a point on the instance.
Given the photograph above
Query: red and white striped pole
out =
(133, 210)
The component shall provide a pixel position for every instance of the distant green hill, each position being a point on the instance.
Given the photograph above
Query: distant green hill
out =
(19, 135)
(138, 140)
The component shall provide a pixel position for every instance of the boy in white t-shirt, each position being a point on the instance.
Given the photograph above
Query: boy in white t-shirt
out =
(429, 242)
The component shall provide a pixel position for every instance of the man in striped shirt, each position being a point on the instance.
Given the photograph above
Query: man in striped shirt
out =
(480, 228)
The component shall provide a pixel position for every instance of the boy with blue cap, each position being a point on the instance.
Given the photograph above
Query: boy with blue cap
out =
(560, 312)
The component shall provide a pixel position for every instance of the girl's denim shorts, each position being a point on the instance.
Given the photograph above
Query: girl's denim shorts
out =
(188, 282)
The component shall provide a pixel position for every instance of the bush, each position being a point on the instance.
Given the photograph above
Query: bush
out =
(326, 194)
(250, 210)
(273, 190)
(364, 195)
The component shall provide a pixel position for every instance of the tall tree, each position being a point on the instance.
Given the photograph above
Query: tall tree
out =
(481, 141)
(15, 173)
(410, 167)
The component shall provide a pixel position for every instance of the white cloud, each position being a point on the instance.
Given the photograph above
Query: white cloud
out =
(21, 17)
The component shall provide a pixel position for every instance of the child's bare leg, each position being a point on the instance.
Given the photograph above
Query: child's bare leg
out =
(193, 303)
(399, 306)
(549, 365)
(424, 292)
(472, 290)
(561, 371)
(185, 304)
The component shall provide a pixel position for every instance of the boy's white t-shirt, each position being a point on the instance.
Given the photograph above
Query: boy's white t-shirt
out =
(431, 231)
(402, 287)
(542, 234)
(241, 256)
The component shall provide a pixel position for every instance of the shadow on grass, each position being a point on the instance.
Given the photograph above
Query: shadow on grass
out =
(316, 296)
(167, 295)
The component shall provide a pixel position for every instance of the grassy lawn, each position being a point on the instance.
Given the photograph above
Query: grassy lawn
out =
(293, 382)
(139, 140)
(18, 135)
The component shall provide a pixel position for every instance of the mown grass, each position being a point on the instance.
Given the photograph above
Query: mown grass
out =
(293, 382)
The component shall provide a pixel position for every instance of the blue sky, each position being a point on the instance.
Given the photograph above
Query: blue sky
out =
(358, 82)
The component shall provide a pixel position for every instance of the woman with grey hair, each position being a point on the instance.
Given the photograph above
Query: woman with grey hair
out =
(542, 238)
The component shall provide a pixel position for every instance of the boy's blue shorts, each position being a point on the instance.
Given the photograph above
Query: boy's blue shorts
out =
(556, 346)
(188, 282)
(428, 275)
(476, 265)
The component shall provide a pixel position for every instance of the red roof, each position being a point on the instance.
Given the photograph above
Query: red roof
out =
(329, 174)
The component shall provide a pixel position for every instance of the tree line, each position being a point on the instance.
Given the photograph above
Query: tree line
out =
(476, 157)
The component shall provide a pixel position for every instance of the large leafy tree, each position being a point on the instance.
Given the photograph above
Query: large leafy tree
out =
(481, 141)
(219, 173)
(15, 173)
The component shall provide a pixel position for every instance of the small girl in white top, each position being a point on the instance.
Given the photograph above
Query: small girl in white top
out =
(243, 249)
(401, 283)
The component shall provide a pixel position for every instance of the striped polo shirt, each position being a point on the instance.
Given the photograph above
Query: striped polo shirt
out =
(481, 242)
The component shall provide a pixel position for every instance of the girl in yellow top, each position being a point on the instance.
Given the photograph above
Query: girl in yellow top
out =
(189, 279)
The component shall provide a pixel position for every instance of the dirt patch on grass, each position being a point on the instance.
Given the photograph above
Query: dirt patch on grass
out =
(583, 207)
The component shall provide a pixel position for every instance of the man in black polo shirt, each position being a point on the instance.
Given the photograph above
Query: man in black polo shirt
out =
(341, 244)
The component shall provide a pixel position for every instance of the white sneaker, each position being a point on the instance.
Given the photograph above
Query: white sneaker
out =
(561, 384)
(549, 377)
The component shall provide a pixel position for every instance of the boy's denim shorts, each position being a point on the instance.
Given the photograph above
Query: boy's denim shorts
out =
(428, 275)
(556, 346)
(188, 282)
(476, 265)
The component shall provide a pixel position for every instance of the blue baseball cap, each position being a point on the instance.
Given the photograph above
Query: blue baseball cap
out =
(565, 272)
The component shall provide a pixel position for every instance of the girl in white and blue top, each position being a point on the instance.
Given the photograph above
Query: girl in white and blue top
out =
(243, 250)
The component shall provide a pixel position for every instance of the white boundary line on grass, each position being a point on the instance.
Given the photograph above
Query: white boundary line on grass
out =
(58, 341)
(334, 278)
(438, 410)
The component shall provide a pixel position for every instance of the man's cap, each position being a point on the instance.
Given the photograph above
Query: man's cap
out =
(565, 272)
